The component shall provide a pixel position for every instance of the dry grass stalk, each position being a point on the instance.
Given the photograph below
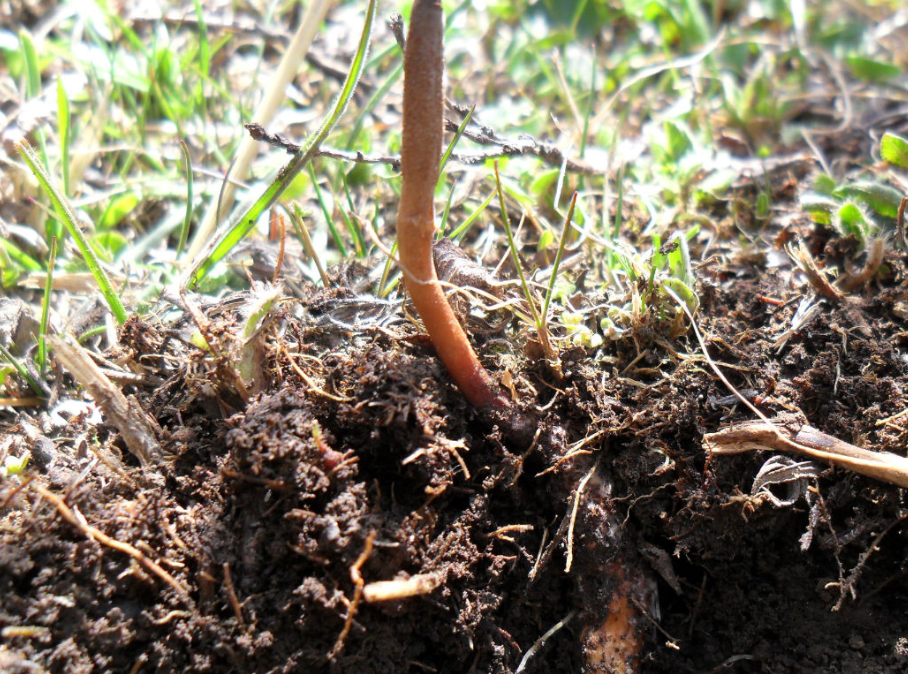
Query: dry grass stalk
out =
(137, 429)
(762, 434)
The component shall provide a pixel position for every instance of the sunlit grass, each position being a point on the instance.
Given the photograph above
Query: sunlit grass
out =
(659, 102)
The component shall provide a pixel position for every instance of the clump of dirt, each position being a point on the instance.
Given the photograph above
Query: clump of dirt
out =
(352, 459)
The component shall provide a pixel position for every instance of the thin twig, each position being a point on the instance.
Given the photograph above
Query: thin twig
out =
(577, 494)
(526, 145)
(231, 595)
(97, 535)
(358, 581)
(540, 642)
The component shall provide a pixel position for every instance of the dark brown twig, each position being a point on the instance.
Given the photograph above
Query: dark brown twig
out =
(526, 145)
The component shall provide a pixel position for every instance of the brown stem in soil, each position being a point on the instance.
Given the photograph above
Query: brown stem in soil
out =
(614, 586)
(420, 157)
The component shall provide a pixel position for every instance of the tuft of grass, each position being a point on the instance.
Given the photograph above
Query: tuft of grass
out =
(244, 224)
(65, 211)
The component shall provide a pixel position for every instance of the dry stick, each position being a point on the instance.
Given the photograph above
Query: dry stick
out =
(231, 595)
(97, 535)
(423, 110)
(765, 434)
(136, 427)
(502, 147)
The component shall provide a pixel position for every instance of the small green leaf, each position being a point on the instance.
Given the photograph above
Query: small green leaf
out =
(871, 70)
(546, 239)
(763, 205)
(108, 244)
(543, 182)
(678, 141)
(13, 465)
(819, 206)
(119, 207)
(683, 291)
(894, 149)
(824, 184)
(881, 198)
(850, 219)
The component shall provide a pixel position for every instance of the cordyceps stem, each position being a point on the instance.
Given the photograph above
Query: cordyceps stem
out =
(420, 156)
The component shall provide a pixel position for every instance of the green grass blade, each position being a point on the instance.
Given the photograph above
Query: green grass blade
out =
(63, 121)
(298, 217)
(61, 204)
(45, 306)
(514, 254)
(32, 69)
(441, 170)
(453, 143)
(19, 256)
(458, 233)
(187, 219)
(338, 241)
(565, 232)
(22, 371)
(619, 204)
(299, 161)
(373, 101)
(443, 224)
(359, 242)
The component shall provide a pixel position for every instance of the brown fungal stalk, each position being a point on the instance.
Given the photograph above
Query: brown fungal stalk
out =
(420, 156)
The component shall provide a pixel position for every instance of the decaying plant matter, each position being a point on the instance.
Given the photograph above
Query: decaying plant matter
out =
(423, 116)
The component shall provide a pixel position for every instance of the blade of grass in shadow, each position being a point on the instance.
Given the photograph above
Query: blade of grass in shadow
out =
(441, 171)
(20, 369)
(338, 241)
(383, 286)
(245, 223)
(359, 242)
(62, 206)
(298, 217)
(187, 220)
(565, 232)
(45, 306)
(459, 233)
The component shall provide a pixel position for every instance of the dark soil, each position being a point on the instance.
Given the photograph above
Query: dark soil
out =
(260, 510)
